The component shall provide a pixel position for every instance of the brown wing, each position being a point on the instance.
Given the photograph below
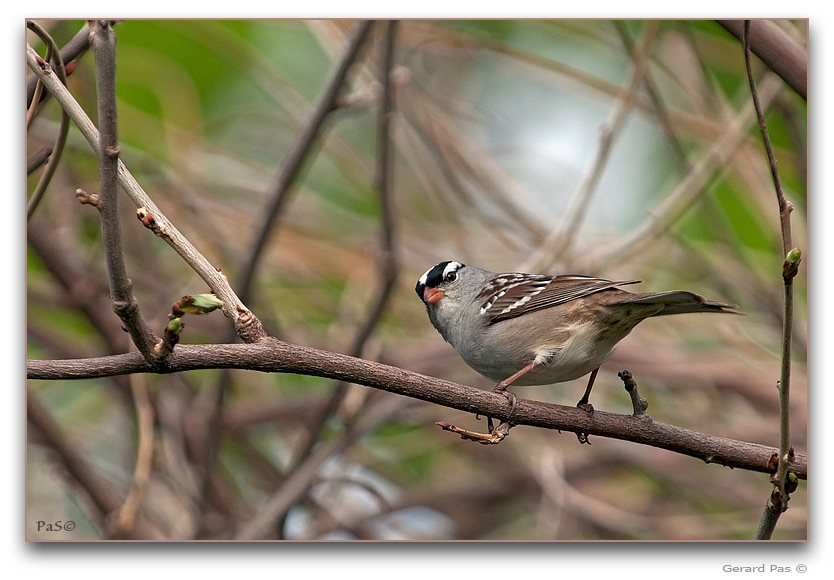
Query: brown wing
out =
(511, 296)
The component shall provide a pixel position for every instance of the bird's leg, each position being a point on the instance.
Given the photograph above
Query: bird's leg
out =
(583, 402)
(502, 388)
(586, 406)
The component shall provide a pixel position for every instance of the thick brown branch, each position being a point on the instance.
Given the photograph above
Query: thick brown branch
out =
(777, 50)
(271, 355)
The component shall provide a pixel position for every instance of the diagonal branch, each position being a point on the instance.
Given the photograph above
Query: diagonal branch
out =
(72, 50)
(776, 49)
(103, 493)
(689, 189)
(559, 241)
(54, 155)
(246, 323)
(292, 162)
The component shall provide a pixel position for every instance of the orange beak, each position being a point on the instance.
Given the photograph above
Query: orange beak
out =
(432, 295)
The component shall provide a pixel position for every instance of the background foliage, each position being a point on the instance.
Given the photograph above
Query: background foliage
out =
(498, 125)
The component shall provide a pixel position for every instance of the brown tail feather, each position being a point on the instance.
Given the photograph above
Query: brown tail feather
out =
(680, 302)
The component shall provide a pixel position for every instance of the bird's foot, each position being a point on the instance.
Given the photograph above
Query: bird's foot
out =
(513, 400)
(589, 410)
(493, 438)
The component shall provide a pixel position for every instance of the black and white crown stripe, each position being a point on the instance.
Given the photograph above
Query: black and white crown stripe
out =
(435, 275)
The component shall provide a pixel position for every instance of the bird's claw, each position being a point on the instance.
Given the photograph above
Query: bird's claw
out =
(492, 438)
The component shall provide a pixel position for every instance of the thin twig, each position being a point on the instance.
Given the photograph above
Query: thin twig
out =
(124, 303)
(53, 55)
(388, 266)
(291, 163)
(72, 50)
(778, 501)
(246, 323)
(34, 106)
(638, 403)
(212, 401)
(785, 207)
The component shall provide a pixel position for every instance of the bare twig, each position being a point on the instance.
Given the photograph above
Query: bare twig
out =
(34, 105)
(493, 438)
(278, 194)
(388, 267)
(37, 159)
(271, 355)
(76, 47)
(785, 206)
(54, 55)
(778, 501)
(638, 403)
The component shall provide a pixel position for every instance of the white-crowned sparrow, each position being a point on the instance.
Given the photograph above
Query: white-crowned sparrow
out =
(529, 329)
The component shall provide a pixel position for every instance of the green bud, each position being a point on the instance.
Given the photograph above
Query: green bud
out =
(199, 303)
(791, 265)
(207, 302)
(175, 326)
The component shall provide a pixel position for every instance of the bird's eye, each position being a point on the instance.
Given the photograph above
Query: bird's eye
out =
(451, 276)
